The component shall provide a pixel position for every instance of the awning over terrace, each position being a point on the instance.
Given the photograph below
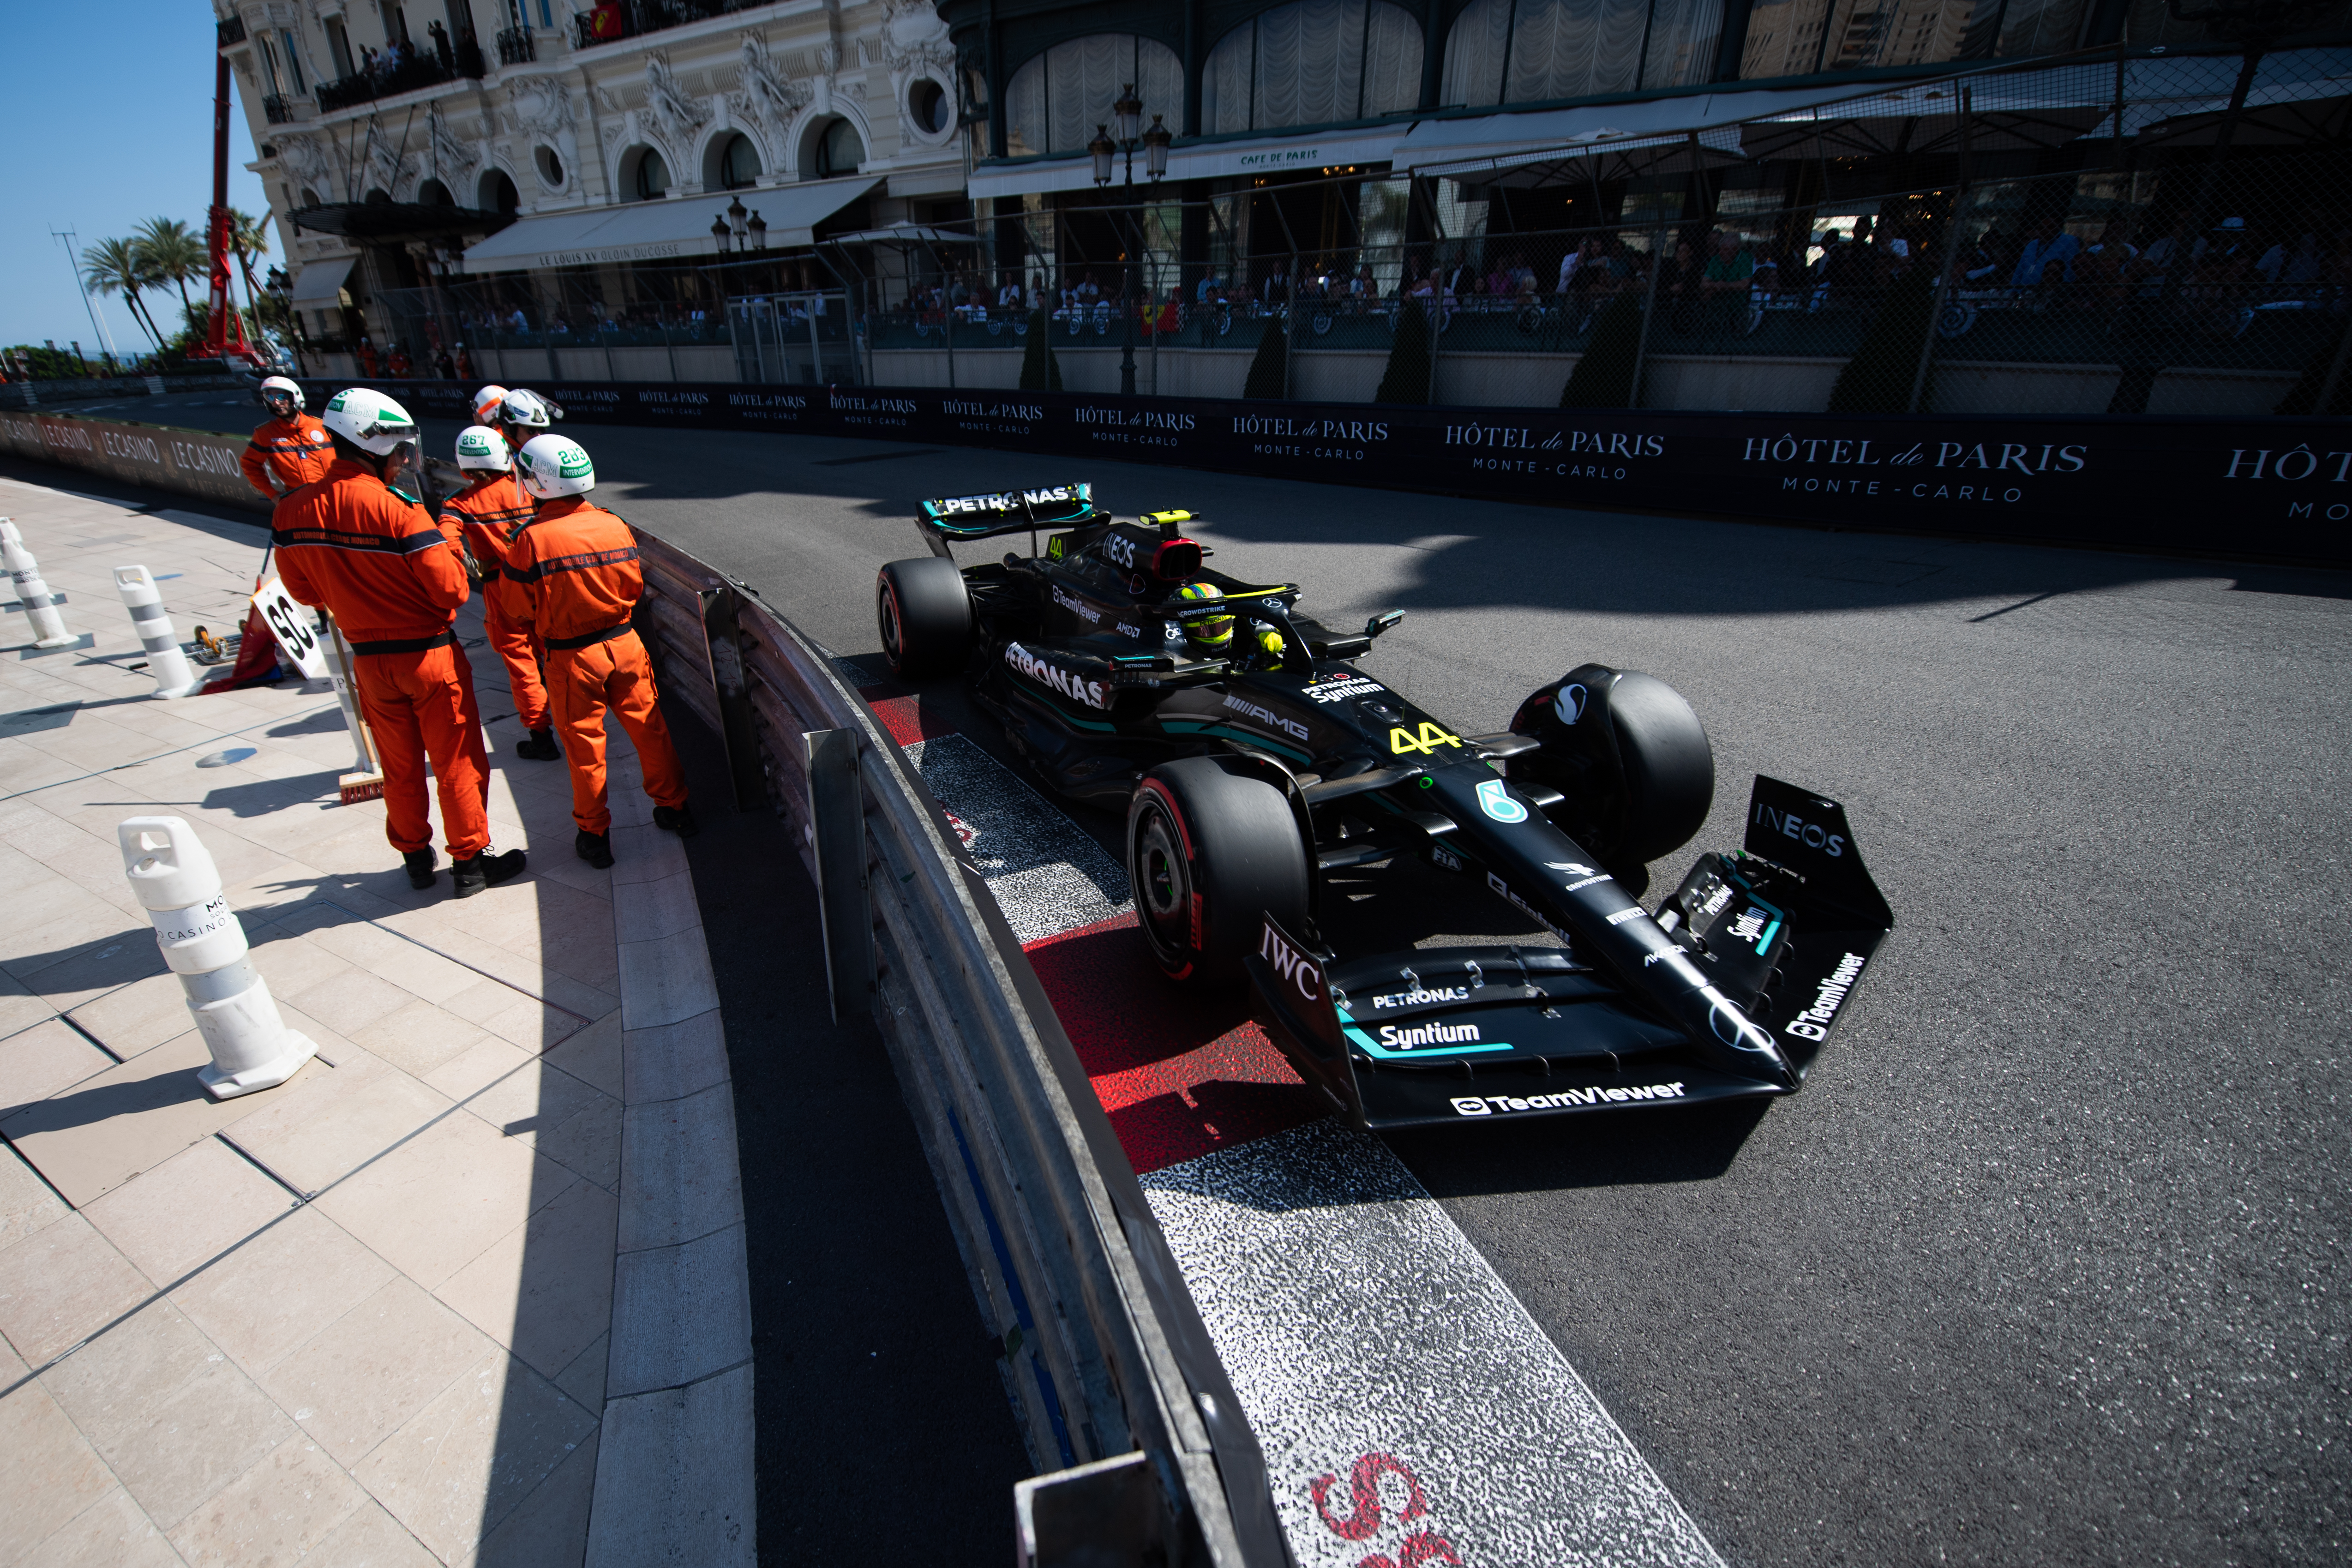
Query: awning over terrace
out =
(319, 283)
(677, 229)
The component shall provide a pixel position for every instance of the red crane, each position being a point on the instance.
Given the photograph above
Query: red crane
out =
(224, 328)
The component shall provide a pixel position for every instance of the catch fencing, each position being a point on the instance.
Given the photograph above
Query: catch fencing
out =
(1107, 1353)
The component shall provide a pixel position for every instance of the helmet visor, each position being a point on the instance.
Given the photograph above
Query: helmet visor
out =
(1210, 631)
(279, 402)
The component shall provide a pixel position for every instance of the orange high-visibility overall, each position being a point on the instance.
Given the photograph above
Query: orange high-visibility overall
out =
(294, 452)
(387, 573)
(488, 515)
(577, 565)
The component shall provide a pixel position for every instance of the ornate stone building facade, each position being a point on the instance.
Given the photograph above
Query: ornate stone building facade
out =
(397, 137)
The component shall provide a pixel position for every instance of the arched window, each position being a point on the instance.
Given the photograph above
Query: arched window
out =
(496, 192)
(1527, 51)
(834, 149)
(646, 177)
(434, 193)
(734, 163)
(1055, 101)
(1311, 64)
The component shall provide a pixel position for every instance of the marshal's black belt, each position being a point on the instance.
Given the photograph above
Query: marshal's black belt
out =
(407, 645)
(592, 639)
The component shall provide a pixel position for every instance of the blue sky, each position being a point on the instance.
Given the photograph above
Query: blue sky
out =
(116, 129)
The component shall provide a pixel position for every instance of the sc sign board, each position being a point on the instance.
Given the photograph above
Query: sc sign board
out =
(294, 627)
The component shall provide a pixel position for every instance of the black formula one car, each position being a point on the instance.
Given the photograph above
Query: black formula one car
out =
(1248, 779)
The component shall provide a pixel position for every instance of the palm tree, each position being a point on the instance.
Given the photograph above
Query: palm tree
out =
(247, 239)
(113, 266)
(172, 255)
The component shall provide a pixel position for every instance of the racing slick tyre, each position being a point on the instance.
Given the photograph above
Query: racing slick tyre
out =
(925, 614)
(1630, 755)
(1211, 848)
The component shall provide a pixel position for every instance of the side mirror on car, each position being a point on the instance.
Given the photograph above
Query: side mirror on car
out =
(1382, 623)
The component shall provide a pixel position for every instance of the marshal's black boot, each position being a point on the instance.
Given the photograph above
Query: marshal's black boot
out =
(540, 747)
(485, 870)
(595, 848)
(420, 867)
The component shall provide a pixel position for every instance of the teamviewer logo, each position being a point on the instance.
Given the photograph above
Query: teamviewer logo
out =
(1467, 1107)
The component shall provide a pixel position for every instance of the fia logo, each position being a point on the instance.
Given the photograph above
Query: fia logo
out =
(1569, 703)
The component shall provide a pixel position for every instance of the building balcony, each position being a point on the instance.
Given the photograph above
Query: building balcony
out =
(232, 31)
(392, 77)
(278, 110)
(516, 46)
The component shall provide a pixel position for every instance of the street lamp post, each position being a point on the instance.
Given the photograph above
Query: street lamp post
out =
(1127, 112)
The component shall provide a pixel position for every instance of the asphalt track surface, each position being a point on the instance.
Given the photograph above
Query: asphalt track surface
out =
(2047, 1264)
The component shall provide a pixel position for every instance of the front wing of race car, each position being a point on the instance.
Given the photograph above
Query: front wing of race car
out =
(1450, 1034)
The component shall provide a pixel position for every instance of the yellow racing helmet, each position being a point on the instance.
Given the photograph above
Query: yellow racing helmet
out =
(1209, 635)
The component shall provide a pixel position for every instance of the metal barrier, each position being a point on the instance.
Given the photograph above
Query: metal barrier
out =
(1109, 1355)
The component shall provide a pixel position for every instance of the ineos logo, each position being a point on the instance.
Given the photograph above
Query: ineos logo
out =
(1121, 551)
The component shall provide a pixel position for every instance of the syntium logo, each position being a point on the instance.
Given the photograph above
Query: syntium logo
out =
(1404, 1039)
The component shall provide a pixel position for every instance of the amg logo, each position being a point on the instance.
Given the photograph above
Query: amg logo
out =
(1004, 502)
(1304, 974)
(1077, 607)
(1075, 687)
(1811, 834)
(1566, 1099)
(1418, 997)
(1332, 691)
(1814, 1023)
(1404, 1039)
(1267, 717)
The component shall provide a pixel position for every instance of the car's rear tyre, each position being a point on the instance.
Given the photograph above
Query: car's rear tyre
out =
(924, 611)
(1210, 849)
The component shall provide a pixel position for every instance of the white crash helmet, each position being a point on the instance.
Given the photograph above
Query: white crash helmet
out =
(528, 410)
(480, 447)
(487, 401)
(555, 465)
(369, 420)
(280, 385)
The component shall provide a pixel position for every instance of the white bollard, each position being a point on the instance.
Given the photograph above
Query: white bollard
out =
(40, 605)
(176, 881)
(174, 677)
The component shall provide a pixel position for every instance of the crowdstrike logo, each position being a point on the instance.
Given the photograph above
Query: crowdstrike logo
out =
(1267, 717)
(1076, 688)
(1814, 1023)
(1566, 1099)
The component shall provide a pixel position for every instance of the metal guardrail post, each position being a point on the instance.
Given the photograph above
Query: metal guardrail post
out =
(837, 819)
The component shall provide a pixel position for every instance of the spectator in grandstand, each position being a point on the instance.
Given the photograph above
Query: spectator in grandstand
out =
(2050, 247)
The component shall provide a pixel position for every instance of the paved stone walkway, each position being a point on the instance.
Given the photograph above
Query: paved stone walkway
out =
(363, 1318)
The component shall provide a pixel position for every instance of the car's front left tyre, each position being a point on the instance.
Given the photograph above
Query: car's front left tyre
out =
(1212, 847)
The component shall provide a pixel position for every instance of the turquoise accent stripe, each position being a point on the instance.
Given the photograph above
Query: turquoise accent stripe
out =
(1373, 1048)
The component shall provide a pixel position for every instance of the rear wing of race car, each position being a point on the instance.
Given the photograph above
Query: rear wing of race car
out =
(951, 517)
